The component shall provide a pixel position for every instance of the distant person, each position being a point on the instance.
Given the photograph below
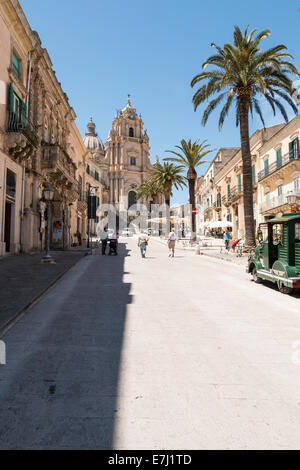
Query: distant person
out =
(143, 243)
(104, 238)
(171, 243)
(226, 237)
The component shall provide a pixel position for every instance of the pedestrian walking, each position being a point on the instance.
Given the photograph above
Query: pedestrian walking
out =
(143, 243)
(171, 243)
(226, 237)
(104, 238)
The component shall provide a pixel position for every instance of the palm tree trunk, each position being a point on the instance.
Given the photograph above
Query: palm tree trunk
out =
(191, 177)
(192, 202)
(168, 192)
(243, 104)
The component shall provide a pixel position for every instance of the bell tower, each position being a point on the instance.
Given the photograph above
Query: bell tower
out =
(127, 155)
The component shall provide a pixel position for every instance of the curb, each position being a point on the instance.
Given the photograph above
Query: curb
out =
(4, 329)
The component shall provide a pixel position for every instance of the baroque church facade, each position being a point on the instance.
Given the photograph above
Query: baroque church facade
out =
(123, 163)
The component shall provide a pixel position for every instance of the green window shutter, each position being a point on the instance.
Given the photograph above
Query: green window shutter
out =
(253, 174)
(88, 169)
(279, 158)
(98, 201)
(291, 150)
(219, 200)
(239, 183)
(266, 164)
(16, 65)
(228, 190)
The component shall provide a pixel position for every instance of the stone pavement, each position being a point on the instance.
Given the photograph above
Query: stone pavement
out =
(23, 279)
(212, 249)
(156, 353)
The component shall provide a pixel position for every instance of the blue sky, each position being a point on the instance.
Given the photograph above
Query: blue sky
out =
(103, 50)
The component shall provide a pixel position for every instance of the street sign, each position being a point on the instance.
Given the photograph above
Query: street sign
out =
(194, 211)
(92, 207)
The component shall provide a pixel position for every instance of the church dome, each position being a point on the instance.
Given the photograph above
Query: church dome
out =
(91, 140)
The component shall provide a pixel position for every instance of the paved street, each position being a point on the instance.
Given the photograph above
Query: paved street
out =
(156, 353)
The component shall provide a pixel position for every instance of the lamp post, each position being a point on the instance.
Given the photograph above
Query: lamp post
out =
(48, 195)
(292, 199)
(90, 188)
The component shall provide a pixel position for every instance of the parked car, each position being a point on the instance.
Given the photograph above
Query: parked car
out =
(127, 232)
(277, 257)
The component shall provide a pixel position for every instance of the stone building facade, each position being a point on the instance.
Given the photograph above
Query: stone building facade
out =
(275, 175)
(38, 141)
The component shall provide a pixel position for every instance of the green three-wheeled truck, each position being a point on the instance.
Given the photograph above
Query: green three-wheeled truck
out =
(277, 257)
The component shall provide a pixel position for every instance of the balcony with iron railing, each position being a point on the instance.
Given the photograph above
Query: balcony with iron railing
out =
(273, 202)
(233, 195)
(286, 159)
(19, 123)
(56, 159)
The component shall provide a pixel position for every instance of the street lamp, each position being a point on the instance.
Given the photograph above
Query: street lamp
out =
(89, 200)
(48, 195)
(292, 199)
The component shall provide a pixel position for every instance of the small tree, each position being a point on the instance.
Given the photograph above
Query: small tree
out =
(190, 156)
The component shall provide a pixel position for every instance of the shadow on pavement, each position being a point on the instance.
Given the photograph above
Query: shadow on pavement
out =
(59, 388)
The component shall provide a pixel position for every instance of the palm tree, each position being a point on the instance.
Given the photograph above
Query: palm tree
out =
(167, 176)
(190, 156)
(150, 189)
(243, 72)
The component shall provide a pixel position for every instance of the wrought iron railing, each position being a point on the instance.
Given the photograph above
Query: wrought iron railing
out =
(234, 191)
(272, 202)
(287, 158)
(20, 123)
(54, 156)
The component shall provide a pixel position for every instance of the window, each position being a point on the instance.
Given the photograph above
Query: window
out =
(279, 158)
(17, 110)
(131, 198)
(294, 149)
(239, 183)
(297, 184)
(46, 133)
(266, 165)
(219, 199)
(98, 201)
(267, 200)
(133, 161)
(10, 183)
(96, 175)
(88, 170)
(277, 234)
(228, 190)
(253, 174)
(80, 188)
(131, 132)
(16, 65)
(52, 136)
(279, 193)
